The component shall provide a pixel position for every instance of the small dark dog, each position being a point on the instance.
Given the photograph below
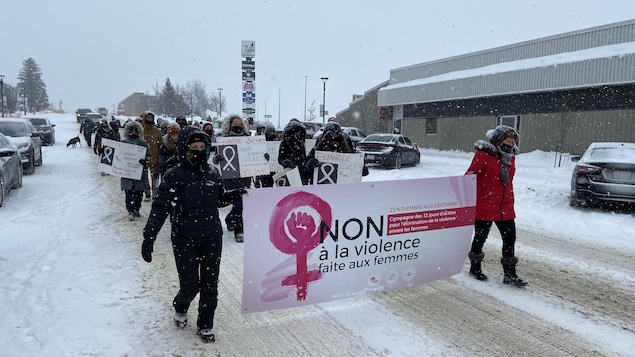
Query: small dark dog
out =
(73, 142)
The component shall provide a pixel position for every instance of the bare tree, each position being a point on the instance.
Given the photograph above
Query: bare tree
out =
(311, 111)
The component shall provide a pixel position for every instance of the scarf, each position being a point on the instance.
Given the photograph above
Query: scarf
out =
(506, 160)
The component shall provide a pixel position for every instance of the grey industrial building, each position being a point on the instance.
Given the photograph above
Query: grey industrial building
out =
(560, 92)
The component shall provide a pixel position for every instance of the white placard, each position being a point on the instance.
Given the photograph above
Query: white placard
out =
(121, 159)
(338, 167)
(287, 177)
(243, 156)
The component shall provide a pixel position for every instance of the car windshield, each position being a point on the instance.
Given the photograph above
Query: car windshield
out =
(94, 116)
(379, 138)
(13, 129)
(38, 121)
(621, 154)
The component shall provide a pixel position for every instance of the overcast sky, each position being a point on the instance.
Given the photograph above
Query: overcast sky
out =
(96, 53)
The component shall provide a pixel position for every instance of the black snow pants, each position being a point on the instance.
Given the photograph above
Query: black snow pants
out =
(198, 266)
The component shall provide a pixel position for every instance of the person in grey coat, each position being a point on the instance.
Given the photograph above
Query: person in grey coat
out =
(133, 134)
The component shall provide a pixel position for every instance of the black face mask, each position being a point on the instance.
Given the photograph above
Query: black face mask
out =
(237, 129)
(133, 135)
(196, 157)
(506, 148)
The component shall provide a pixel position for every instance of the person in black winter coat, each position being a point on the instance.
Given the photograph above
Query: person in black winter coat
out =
(269, 131)
(292, 152)
(332, 139)
(133, 134)
(167, 151)
(104, 132)
(88, 128)
(192, 191)
(234, 125)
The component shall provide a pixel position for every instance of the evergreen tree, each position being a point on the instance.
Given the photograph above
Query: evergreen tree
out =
(171, 102)
(31, 86)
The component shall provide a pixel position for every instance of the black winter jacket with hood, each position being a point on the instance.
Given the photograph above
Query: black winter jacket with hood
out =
(193, 194)
(292, 148)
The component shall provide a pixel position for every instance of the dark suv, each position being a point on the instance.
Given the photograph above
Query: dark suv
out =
(46, 127)
(79, 113)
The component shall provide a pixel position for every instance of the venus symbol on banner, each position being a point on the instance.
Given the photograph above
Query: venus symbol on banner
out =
(294, 228)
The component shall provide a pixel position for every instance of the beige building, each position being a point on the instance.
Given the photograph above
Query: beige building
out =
(560, 92)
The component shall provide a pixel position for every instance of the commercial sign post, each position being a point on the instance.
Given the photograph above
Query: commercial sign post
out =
(248, 75)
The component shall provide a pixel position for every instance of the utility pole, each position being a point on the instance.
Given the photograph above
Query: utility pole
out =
(220, 102)
(279, 108)
(324, 79)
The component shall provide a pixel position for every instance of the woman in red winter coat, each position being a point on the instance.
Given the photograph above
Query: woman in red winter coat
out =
(494, 165)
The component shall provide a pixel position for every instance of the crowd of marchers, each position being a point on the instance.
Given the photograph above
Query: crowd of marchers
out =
(183, 186)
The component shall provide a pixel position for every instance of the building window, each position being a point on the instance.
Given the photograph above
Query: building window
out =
(431, 126)
(510, 120)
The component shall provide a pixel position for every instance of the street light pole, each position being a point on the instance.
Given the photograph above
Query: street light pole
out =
(324, 79)
(305, 77)
(2, 92)
(279, 108)
(220, 102)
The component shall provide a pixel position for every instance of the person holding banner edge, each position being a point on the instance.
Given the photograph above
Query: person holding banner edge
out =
(192, 192)
(292, 151)
(332, 139)
(133, 134)
(234, 125)
(494, 164)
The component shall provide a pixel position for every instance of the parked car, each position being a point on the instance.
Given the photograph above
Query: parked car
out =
(79, 113)
(95, 117)
(10, 167)
(46, 127)
(354, 133)
(103, 111)
(605, 173)
(28, 140)
(389, 150)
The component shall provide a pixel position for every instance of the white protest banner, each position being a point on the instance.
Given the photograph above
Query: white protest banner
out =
(244, 156)
(287, 177)
(338, 167)
(273, 148)
(121, 159)
(318, 243)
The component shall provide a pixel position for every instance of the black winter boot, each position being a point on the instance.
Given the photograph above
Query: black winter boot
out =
(238, 232)
(475, 267)
(509, 272)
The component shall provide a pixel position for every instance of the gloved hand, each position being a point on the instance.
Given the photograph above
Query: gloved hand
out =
(218, 158)
(288, 163)
(146, 249)
(143, 162)
(100, 151)
(267, 156)
(232, 196)
(365, 171)
(311, 164)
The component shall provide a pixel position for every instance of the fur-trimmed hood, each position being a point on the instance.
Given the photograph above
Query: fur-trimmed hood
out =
(226, 130)
(133, 124)
(294, 127)
(492, 149)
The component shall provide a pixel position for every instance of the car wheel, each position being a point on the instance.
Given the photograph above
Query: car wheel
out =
(30, 169)
(18, 184)
(398, 161)
(417, 159)
(39, 161)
